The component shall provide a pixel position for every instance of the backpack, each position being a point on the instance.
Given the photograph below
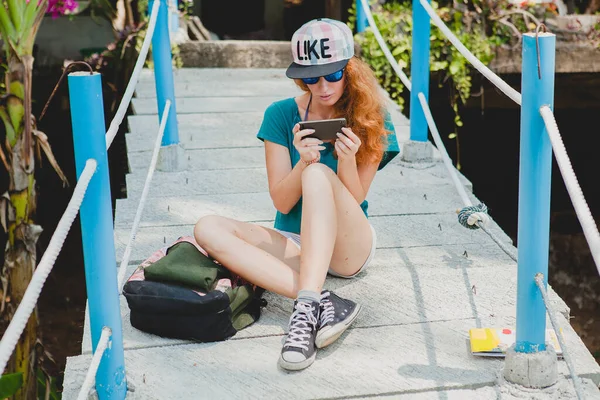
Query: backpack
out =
(180, 292)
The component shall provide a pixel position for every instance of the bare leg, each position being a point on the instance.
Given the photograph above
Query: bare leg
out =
(258, 254)
(335, 231)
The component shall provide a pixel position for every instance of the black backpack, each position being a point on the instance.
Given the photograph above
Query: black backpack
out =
(180, 292)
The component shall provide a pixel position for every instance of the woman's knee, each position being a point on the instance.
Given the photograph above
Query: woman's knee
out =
(209, 229)
(317, 171)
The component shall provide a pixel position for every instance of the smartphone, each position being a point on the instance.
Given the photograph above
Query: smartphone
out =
(325, 129)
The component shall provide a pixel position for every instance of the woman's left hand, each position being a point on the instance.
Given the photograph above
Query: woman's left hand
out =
(347, 144)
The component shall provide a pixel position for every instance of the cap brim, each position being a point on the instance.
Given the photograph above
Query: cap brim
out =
(297, 71)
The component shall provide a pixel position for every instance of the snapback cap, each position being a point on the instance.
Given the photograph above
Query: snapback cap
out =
(320, 47)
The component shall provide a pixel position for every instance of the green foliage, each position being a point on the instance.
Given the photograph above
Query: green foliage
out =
(10, 384)
(394, 21)
(46, 386)
(143, 8)
(176, 58)
(19, 23)
(105, 9)
(480, 25)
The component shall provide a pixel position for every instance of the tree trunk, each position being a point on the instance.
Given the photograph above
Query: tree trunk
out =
(20, 257)
(333, 9)
(20, 263)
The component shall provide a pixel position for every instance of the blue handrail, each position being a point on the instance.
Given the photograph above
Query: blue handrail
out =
(163, 73)
(89, 141)
(419, 72)
(534, 190)
(96, 212)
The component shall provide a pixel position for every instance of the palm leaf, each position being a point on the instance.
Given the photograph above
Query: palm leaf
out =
(15, 7)
(42, 141)
(29, 17)
(6, 25)
(11, 135)
(16, 111)
(37, 20)
(17, 88)
(10, 384)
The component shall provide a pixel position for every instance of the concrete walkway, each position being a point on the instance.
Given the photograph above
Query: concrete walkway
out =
(430, 282)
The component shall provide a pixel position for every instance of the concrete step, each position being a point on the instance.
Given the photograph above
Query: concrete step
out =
(190, 105)
(431, 279)
(237, 54)
(225, 87)
(249, 172)
(208, 131)
(392, 231)
(183, 209)
(388, 359)
(221, 75)
(419, 280)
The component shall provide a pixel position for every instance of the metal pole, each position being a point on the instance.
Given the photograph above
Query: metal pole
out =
(87, 118)
(419, 71)
(163, 72)
(173, 16)
(361, 18)
(537, 86)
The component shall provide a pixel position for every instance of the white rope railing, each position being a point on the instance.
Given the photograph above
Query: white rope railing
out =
(142, 203)
(485, 71)
(90, 377)
(581, 208)
(488, 73)
(32, 293)
(137, 69)
(433, 128)
(388, 54)
(539, 281)
(452, 171)
(586, 219)
(442, 149)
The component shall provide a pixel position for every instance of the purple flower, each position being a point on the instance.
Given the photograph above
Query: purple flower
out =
(61, 7)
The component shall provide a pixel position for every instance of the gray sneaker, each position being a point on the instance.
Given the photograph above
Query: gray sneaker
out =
(299, 350)
(336, 316)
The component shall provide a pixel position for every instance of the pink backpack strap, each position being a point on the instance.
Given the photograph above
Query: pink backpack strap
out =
(192, 240)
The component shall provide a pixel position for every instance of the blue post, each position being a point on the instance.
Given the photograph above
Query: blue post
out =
(173, 16)
(87, 118)
(534, 191)
(163, 72)
(419, 72)
(361, 18)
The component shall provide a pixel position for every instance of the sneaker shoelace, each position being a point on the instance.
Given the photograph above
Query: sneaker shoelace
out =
(328, 311)
(301, 323)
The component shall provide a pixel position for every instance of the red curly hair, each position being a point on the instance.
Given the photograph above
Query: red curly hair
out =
(363, 106)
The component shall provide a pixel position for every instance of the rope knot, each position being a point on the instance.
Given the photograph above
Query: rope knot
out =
(470, 216)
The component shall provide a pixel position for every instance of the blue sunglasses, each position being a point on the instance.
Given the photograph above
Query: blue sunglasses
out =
(334, 77)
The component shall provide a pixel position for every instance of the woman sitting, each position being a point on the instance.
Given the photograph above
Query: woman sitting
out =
(318, 188)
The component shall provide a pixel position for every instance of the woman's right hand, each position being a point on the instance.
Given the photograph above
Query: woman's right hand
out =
(308, 148)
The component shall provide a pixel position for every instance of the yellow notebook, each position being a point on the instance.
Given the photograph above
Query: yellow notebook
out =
(493, 342)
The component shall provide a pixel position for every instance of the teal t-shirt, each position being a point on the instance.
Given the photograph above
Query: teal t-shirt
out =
(278, 122)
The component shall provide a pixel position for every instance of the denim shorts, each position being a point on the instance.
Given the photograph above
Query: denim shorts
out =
(295, 238)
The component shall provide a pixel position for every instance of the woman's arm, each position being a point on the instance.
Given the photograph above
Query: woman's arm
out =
(285, 182)
(357, 179)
